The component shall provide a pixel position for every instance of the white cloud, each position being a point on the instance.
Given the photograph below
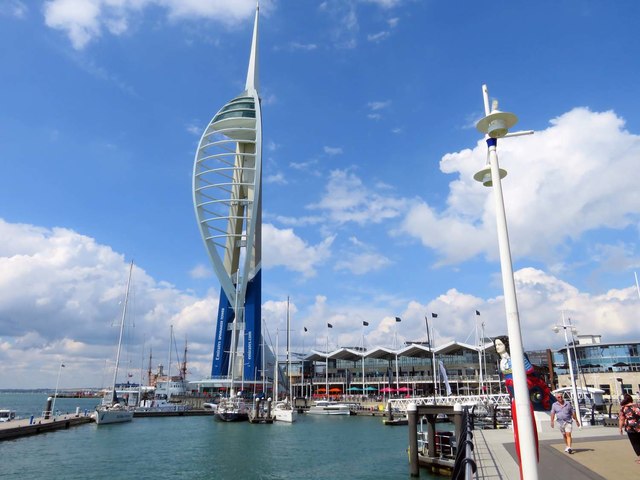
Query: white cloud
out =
(60, 293)
(85, 20)
(333, 150)
(346, 199)
(379, 105)
(201, 271)
(14, 8)
(361, 258)
(577, 176)
(276, 179)
(362, 263)
(378, 37)
(284, 248)
(303, 46)
(541, 298)
(384, 3)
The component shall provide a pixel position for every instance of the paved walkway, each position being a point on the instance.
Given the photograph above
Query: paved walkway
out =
(599, 453)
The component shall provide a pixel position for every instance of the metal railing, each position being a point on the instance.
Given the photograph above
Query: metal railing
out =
(465, 467)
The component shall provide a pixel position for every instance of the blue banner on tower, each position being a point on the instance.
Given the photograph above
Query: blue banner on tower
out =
(253, 328)
(222, 344)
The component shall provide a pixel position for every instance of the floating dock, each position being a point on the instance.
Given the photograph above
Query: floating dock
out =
(34, 426)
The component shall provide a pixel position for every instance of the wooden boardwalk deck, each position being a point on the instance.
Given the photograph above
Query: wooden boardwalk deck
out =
(599, 453)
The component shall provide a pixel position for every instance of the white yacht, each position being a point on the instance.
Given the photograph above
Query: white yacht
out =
(327, 407)
(284, 412)
(111, 410)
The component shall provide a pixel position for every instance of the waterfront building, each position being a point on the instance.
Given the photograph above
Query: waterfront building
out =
(611, 367)
(227, 197)
(408, 370)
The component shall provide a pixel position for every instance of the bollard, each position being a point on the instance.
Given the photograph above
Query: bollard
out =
(390, 411)
(412, 414)
(457, 420)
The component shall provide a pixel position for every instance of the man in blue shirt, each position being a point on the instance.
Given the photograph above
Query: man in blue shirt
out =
(565, 414)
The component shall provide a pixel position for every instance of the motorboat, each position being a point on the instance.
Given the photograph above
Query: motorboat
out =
(328, 407)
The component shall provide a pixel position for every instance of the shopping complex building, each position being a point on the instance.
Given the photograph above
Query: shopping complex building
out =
(468, 369)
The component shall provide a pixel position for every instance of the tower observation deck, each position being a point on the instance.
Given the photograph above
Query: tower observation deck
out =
(227, 181)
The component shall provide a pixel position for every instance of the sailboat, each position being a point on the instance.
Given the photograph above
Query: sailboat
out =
(283, 411)
(234, 408)
(111, 410)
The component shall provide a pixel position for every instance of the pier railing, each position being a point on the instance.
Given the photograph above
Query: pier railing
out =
(465, 467)
(500, 400)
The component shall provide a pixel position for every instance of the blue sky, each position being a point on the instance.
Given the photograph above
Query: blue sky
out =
(370, 208)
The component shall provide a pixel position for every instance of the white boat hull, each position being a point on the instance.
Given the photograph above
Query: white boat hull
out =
(284, 413)
(329, 408)
(105, 416)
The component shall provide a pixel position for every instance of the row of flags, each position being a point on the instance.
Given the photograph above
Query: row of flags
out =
(398, 319)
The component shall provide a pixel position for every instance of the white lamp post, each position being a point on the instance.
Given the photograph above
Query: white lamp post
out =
(55, 395)
(496, 125)
(574, 391)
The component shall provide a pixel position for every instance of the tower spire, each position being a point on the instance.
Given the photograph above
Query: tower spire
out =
(252, 73)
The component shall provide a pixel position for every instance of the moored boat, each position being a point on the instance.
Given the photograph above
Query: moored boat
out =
(233, 409)
(284, 412)
(111, 410)
(327, 407)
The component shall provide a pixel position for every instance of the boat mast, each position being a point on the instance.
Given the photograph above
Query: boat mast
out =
(149, 368)
(276, 375)
(124, 314)
(183, 369)
(169, 366)
(288, 352)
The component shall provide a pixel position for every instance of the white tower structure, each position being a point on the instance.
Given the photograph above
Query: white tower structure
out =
(227, 181)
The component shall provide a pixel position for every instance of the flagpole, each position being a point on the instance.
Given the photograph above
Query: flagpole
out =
(326, 367)
(395, 346)
(364, 324)
(433, 360)
(479, 352)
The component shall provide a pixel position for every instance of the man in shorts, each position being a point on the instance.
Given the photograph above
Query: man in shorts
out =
(563, 411)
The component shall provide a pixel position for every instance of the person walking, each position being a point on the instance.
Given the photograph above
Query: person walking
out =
(563, 411)
(629, 419)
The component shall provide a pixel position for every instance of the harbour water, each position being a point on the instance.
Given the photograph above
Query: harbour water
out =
(315, 447)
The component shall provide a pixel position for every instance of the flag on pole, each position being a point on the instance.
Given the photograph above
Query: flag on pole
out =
(329, 325)
(477, 312)
(434, 315)
(398, 319)
(445, 378)
(365, 324)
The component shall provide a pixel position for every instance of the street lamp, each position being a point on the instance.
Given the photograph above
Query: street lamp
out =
(55, 395)
(565, 326)
(496, 125)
